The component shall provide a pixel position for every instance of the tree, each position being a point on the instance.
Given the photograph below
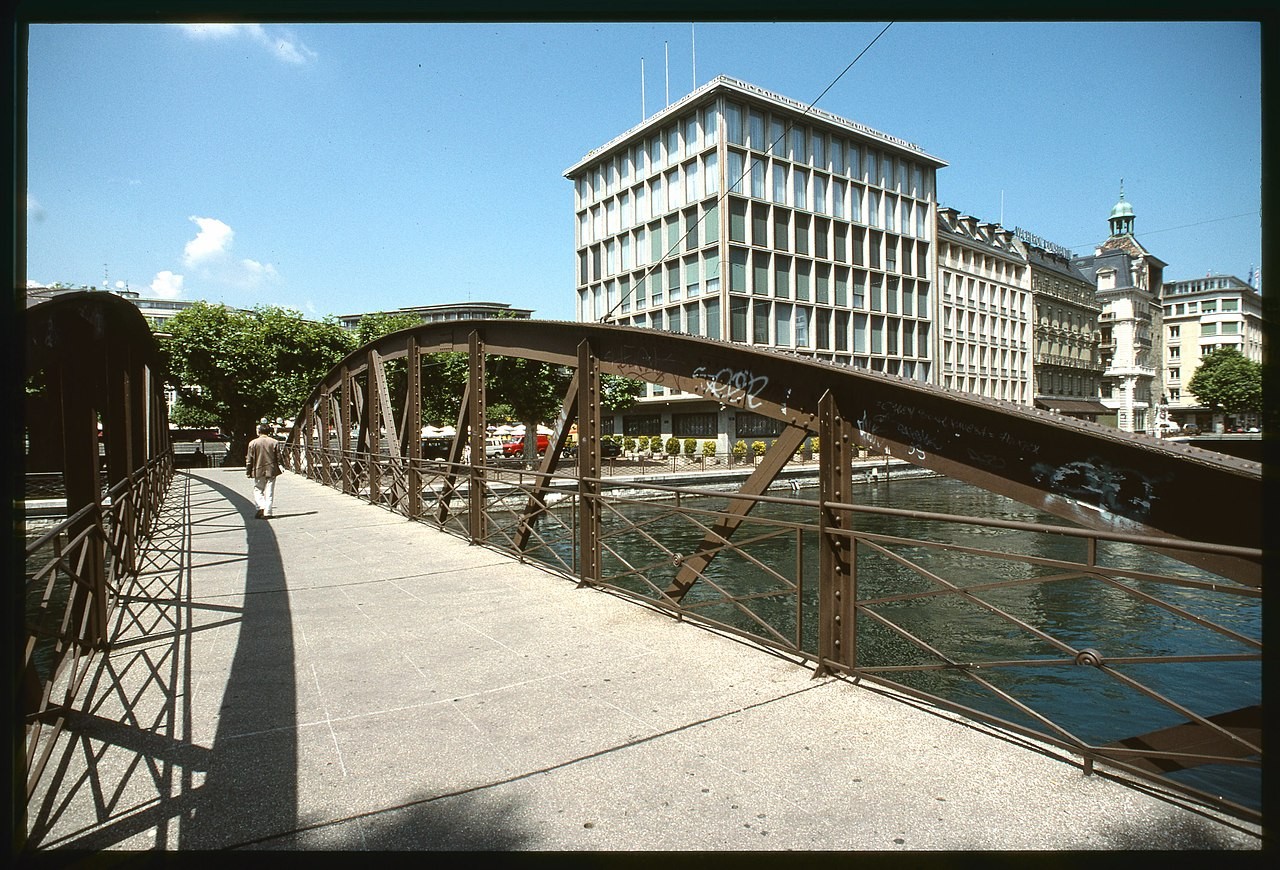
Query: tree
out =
(534, 390)
(1227, 381)
(236, 368)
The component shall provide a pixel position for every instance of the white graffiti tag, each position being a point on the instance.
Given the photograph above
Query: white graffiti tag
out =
(731, 386)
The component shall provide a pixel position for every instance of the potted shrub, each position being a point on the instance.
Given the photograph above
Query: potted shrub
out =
(739, 450)
(673, 446)
(629, 444)
(758, 448)
(708, 452)
(690, 447)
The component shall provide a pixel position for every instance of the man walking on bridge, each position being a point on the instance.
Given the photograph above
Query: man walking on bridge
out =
(262, 463)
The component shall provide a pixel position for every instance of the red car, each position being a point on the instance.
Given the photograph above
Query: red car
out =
(516, 448)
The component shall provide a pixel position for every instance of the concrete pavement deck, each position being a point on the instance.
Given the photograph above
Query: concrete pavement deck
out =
(342, 678)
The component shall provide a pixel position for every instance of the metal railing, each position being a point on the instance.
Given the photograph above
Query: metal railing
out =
(954, 610)
(74, 574)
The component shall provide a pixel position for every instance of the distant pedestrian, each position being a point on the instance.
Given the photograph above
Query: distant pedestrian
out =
(262, 463)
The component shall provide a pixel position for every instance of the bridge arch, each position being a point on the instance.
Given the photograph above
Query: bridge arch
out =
(1093, 475)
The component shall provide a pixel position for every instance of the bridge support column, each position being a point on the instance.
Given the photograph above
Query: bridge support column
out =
(475, 411)
(588, 402)
(344, 433)
(413, 430)
(373, 423)
(837, 577)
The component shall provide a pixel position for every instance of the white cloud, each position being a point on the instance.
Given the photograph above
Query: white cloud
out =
(283, 45)
(35, 211)
(167, 285)
(212, 242)
(209, 254)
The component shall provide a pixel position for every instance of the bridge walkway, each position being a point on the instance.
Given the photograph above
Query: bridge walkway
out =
(341, 678)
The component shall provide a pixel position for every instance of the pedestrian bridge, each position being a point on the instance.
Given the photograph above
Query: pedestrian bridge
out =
(839, 592)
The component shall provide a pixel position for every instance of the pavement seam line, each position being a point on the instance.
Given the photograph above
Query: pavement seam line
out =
(532, 773)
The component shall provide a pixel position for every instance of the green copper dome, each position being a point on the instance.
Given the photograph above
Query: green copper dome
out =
(1122, 208)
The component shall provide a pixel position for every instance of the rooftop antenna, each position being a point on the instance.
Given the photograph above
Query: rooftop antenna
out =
(1002, 208)
(666, 61)
(643, 113)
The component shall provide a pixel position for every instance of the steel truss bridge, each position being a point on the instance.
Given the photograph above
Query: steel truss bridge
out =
(1196, 516)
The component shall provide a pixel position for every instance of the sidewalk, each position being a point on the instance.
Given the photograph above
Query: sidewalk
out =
(341, 678)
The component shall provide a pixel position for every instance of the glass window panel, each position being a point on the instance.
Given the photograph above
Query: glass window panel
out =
(755, 131)
(837, 156)
(692, 322)
(738, 319)
(782, 325)
(802, 326)
(802, 233)
(760, 310)
(711, 225)
(842, 331)
(817, 150)
(692, 182)
(822, 328)
(820, 193)
(710, 126)
(738, 270)
(760, 274)
(781, 229)
(854, 161)
(859, 333)
(713, 318)
(782, 276)
(760, 224)
(757, 178)
(673, 144)
(777, 137)
(796, 145)
(738, 220)
(799, 188)
(837, 197)
(712, 173)
(733, 123)
(734, 172)
(779, 182)
(691, 134)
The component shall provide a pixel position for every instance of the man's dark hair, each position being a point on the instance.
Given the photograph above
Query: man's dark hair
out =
(264, 429)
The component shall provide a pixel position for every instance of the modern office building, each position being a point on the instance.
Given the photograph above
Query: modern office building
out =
(1200, 316)
(1066, 364)
(451, 311)
(984, 310)
(1128, 282)
(739, 214)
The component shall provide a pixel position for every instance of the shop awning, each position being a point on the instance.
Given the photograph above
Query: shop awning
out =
(1073, 406)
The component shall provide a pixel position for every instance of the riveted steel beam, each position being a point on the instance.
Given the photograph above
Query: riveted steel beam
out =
(588, 402)
(1092, 475)
(764, 474)
(412, 429)
(537, 503)
(837, 578)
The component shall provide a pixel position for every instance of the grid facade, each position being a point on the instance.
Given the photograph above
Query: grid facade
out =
(984, 311)
(738, 214)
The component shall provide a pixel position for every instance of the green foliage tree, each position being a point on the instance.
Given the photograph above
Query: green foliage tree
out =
(758, 448)
(673, 446)
(618, 393)
(708, 448)
(1228, 381)
(236, 368)
(629, 444)
(690, 446)
(533, 389)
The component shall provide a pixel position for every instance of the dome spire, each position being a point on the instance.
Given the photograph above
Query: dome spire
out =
(1122, 216)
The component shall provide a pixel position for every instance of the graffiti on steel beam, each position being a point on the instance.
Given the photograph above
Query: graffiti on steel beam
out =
(732, 386)
(1096, 483)
(646, 365)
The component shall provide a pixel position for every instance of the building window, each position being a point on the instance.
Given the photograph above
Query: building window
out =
(642, 424)
(703, 425)
(751, 425)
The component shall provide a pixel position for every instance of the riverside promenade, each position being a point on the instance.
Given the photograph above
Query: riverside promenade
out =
(340, 678)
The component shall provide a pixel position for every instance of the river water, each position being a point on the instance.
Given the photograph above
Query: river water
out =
(1081, 612)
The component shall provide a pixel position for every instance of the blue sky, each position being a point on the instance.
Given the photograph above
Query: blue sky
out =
(341, 168)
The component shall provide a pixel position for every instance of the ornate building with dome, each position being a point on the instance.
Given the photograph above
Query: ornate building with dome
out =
(1128, 279)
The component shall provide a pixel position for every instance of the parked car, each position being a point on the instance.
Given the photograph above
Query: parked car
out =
(609, 449)
(493, 446)
(516, 448)
(436, 448)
